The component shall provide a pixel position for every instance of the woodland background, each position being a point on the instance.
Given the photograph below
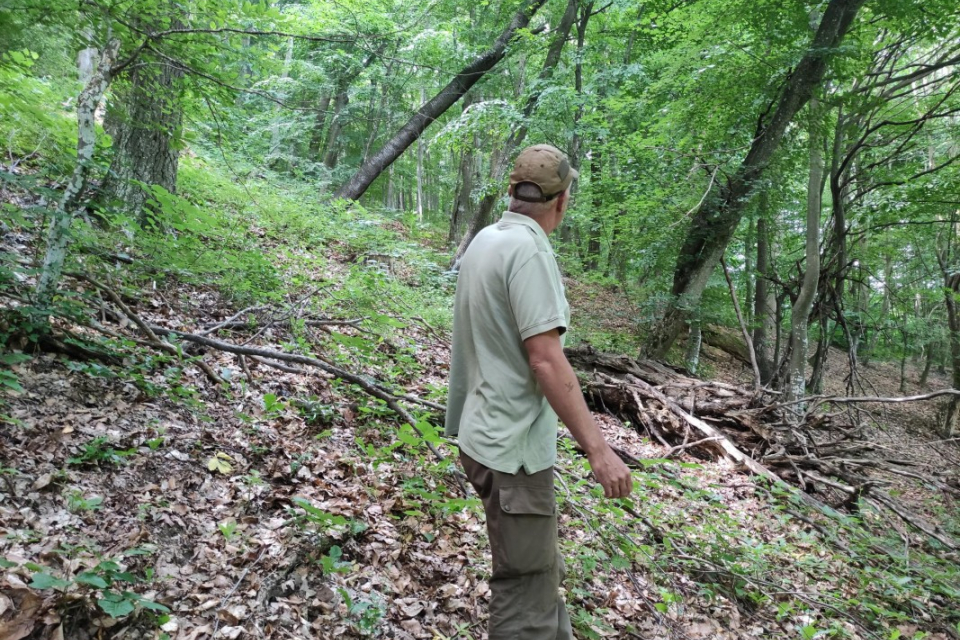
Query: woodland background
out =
(230, 234)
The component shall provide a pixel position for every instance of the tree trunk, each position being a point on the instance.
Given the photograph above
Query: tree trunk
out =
(951, 295)
(749, 272)
(594, 224)
(336, 126)
(420, 207)
(146, 136)
(795, 388)
(319, 124)
(903, 360)
(820, 356)
(691, 359)
(87, 63)
(928, 362)
(276, 137)
(717, 219)
(577, 140)
(765, 302)
(58, 235)
(951, 292)
(463, 201)
(430, 111)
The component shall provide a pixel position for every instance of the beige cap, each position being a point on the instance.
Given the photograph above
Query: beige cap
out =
(544, 167)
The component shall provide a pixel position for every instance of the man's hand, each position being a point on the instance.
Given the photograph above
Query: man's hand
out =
(562, 389)
(612, 474)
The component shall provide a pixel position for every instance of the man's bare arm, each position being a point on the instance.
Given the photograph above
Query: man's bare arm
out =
(562, 389)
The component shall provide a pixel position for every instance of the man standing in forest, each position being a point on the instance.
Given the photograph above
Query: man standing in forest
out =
(509, 381)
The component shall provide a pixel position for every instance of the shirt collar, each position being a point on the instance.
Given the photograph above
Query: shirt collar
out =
(511, 217)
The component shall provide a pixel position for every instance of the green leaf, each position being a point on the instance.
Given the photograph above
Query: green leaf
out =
(407, 436)
(153, 606)
(47, 581)
(92, 579)
(115, 605)
(7, 564)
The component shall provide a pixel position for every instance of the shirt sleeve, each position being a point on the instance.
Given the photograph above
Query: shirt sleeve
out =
(536, 296)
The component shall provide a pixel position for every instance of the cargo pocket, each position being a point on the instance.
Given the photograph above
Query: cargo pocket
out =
(528, 525)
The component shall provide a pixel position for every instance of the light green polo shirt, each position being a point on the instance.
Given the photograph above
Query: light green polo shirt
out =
(508, 290)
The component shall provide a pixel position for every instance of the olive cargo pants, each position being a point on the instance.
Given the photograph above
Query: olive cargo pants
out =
(525, 602)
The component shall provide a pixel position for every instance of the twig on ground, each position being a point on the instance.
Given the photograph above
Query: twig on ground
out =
(243, 575)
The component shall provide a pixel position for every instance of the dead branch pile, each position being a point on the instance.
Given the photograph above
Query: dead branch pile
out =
(825, 454)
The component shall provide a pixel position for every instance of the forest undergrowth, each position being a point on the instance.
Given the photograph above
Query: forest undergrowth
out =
(188, 491)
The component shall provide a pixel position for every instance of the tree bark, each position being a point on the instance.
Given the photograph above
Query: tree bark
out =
(765, 302)
(320, 123)
(146, 137)
(420, 206)
(276, 137)
(430, 111)
(799, 316)
(463, 201)
(336, 126)
(951, 295)
(717, 218)
(691, 357)
(58, 235)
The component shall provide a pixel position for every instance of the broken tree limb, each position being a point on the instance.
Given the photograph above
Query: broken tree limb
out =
(711, 434)
(915, 521)
(144, 327)
(265, 356)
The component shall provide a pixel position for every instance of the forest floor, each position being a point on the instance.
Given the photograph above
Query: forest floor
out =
(291, 505)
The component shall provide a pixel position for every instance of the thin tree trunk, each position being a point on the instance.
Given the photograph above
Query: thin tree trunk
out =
(594, 224)
(423, 96)
(691, 358)
(765, 301)
(800, 314)
(463, 201)
(69, 207)
(430, 111)
(717, 219)
(276, 139)
(87, 63)
(336, 126)
(820, 356)
(951, 294)
(928, 362)
(903, 360)
(319, 124)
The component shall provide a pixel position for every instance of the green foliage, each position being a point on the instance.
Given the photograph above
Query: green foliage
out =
(332, 563)
(107, 579)
(78, 503)
(100, 450)
(366, 613)
(9, 379)
(320, 521)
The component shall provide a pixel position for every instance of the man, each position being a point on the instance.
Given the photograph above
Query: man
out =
(509, 381)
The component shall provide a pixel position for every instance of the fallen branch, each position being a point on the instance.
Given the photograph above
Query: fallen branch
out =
(265, 356)
(144, 327)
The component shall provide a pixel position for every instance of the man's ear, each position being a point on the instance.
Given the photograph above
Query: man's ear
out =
(562, 199)
(510, 191)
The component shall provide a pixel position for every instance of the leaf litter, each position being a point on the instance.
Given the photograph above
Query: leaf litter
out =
(248, 516)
